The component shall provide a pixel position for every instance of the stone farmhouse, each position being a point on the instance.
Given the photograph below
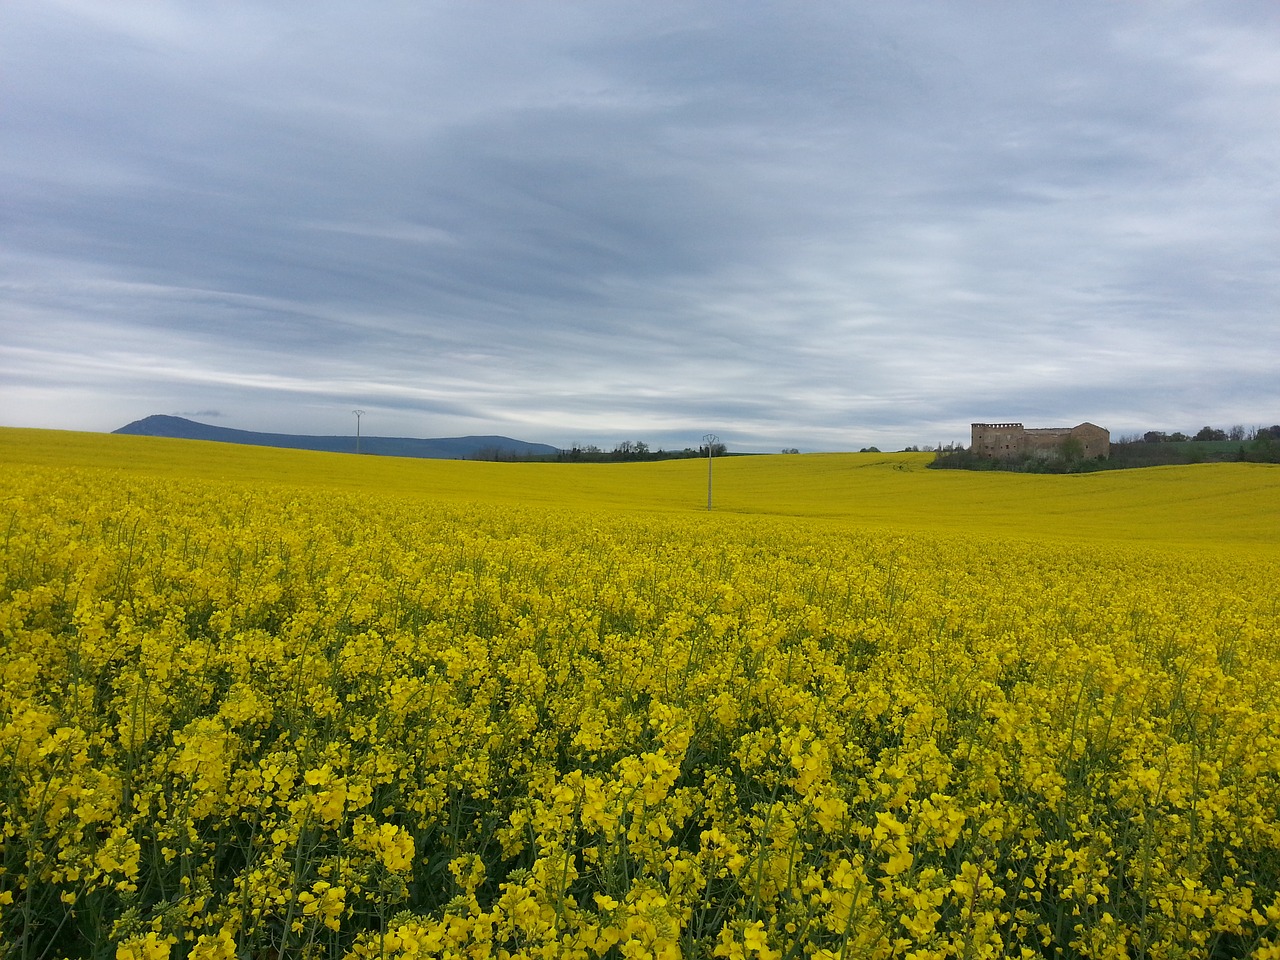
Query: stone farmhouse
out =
(1001, 440)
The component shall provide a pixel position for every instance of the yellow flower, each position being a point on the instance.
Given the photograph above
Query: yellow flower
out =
(149, 946)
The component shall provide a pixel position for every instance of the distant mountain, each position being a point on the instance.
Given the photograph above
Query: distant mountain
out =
(444, 448)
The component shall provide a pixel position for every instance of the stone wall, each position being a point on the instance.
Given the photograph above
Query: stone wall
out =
(1094, 440)
(997, 440)
(1008, 440)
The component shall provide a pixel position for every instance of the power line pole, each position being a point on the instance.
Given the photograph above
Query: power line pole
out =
(359, 414)
(710, 440)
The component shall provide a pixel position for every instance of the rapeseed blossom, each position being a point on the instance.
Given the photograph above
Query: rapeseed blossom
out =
(248, 720)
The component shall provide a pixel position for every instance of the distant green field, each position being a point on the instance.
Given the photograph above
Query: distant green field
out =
(1203, 450)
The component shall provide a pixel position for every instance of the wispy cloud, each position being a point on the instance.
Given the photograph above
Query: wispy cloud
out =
(822, 228)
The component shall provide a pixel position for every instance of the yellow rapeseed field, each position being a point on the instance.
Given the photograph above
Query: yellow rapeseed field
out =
(260, 703)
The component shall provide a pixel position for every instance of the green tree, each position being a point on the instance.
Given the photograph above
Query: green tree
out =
(1209, 433)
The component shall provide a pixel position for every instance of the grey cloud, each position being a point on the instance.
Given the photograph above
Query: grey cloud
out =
(864, 223)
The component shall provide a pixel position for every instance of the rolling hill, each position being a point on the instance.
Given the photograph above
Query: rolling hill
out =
(443, 448)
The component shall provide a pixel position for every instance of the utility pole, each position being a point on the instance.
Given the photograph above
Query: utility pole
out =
(710, 440)
(359, 414)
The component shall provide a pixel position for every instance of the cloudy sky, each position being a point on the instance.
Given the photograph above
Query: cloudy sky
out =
(820, 225)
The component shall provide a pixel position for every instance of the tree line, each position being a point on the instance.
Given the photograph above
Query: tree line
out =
(631, 450)
(1235, 434)
(624, 451)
